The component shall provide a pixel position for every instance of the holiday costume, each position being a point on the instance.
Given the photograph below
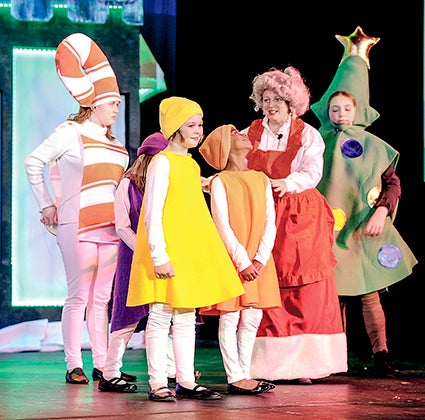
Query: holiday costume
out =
(359, 176)
(354, 162)
(304, 338)
(176, 231)
(84, 242)
(216, 282)
(243, 210)
(88, 164)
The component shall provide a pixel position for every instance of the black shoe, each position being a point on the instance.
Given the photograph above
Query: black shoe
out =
(383, 369)
(171, 381)
(76, 376)
(197, 393)
(165, 396)
(97, 375)
(128, 378)
(115, 385)
(259, 389)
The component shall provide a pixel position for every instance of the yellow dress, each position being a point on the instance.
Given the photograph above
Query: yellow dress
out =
(205, 274)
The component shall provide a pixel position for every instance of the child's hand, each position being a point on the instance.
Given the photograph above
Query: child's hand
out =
(250, 273)
(375, 225)
(205, 182)
(164, 271)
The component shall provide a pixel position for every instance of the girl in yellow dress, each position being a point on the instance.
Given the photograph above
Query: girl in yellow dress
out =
(180, 262)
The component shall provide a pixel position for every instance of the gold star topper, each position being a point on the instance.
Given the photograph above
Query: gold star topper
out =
(358, 43)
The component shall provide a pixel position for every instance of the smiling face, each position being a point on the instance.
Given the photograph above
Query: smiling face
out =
(275, 107)
(192, 131)
(239, 141)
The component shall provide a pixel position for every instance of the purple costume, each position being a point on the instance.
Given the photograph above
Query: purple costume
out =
(123, 315)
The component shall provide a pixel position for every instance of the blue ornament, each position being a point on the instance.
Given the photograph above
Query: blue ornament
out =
(389, 256)
(351, 148)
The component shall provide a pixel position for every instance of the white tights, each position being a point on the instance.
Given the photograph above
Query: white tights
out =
(183, 338)
(118, 341)
(236, 334)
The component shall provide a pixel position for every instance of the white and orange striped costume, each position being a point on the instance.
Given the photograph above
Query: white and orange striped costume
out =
(88, 166)
(102, 172)
(85, 71)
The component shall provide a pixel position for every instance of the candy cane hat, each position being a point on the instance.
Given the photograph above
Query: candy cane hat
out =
(85, 71)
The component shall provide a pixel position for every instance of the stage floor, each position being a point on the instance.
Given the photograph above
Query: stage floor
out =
(32, 386)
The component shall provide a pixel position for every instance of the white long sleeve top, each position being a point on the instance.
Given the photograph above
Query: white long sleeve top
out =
(122, 214)
(236, 250)
(307, 166)
(63, 147)
(157, 179)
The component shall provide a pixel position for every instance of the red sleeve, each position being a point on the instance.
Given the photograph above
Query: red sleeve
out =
(391, 190)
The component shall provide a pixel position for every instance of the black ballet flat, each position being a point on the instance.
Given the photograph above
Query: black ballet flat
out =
(97, 374)
(116, 385)
(165, 396)
(197, 393)
(259, 389)
(171, 381)
(76, 376)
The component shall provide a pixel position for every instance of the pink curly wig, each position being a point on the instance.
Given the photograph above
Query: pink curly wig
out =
(288, 84)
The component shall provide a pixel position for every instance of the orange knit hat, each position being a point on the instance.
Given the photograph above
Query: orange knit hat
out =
(216, 147)
(85, 71)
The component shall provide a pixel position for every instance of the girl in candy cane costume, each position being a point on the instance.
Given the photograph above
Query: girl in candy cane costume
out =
(90, 162)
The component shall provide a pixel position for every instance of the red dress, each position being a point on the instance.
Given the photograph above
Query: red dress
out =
(304, 338)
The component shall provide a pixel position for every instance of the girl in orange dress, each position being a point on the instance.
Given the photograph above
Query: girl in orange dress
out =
(243, 210)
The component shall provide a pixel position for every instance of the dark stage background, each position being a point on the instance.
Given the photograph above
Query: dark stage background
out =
(219, 48)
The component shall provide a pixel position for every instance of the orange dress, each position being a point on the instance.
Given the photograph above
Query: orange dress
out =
(205, 274)
(246, 200)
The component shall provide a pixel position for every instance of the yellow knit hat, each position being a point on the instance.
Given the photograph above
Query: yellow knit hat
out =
(174, 112)
(216, 147)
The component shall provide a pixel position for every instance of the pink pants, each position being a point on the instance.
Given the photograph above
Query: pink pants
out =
(90, 269)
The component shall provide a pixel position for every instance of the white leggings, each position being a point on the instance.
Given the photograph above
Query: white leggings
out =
(183, 337)
(90, 269)
(118, 341)
(236, 334)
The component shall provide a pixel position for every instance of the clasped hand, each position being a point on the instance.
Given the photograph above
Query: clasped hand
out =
(252, 271)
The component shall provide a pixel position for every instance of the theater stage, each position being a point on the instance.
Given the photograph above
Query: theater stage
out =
(32, 386)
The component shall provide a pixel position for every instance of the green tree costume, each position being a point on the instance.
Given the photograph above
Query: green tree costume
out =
(354, 161)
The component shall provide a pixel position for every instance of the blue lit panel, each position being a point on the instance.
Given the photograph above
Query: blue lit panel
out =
(40, 103)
